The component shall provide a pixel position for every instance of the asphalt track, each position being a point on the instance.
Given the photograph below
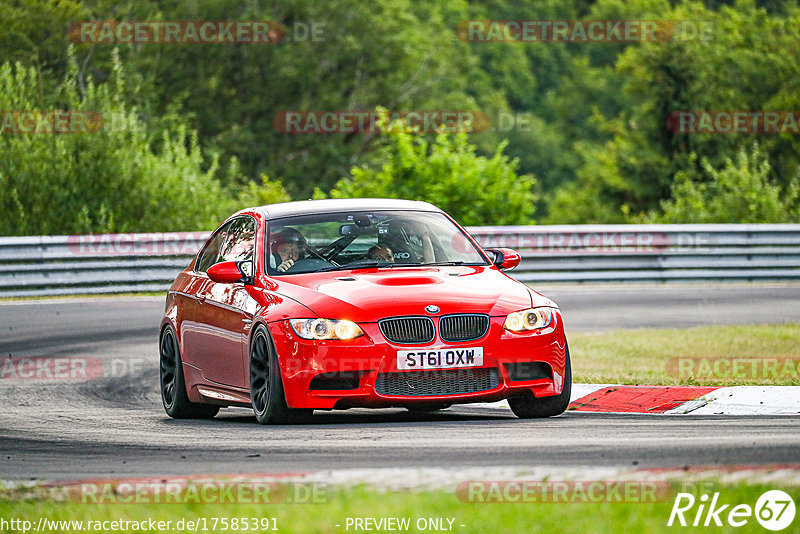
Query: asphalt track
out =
(114, 426)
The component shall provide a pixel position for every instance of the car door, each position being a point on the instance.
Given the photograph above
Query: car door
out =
(221, 317)
(192, 331)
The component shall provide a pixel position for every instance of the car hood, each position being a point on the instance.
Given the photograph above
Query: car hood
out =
(367, 295)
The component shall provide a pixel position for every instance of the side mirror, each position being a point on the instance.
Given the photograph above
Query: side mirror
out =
(231, 272)
(505, 258)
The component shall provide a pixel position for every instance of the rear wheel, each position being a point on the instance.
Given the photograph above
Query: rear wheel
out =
(266, 386)
(527, 406)
(173, 385)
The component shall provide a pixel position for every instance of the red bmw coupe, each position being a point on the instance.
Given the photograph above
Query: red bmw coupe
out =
(332, 304)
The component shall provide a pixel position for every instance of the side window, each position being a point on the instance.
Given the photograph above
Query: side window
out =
(240, 241)
(210, 254)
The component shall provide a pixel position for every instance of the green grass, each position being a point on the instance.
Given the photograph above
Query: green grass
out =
(643, 356)
(580, 518)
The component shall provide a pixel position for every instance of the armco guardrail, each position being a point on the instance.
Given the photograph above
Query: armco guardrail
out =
(53, 265)
(107, 263)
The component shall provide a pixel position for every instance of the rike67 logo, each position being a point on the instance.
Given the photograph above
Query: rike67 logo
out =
(774, 510)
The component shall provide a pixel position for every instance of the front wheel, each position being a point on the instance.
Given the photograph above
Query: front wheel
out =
(266, 386)
(173, 384)
(527, 406)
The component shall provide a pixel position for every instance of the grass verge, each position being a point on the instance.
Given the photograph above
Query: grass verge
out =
(361, 502)
(708, 355)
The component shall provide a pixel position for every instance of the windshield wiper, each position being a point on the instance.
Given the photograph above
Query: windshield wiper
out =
(440, 263)
(358, 264)
(369, 262)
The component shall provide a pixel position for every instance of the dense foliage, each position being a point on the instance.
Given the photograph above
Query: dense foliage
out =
(106, 179)
(193, 135)
(472, 188)
(741, 191)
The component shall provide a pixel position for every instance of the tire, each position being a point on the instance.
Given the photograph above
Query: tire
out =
(173, 385)
(266, 385)
(527, 406)
(426, 408)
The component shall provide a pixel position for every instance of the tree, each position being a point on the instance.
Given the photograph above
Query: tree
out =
(748, 63)
(476, 190)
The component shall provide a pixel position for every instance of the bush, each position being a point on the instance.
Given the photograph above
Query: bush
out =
(740, 192)
(475, 190)
(108, 181)
(267, 192)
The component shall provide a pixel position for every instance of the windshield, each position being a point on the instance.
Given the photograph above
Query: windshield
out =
(366, 239)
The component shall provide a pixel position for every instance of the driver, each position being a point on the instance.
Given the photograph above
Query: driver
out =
(287, 246)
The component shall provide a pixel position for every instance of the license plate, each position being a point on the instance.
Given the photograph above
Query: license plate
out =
(439, 358)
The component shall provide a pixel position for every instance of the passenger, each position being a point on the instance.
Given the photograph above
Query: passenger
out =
(381, 252)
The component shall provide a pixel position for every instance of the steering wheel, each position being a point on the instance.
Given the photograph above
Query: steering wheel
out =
(336, 247)
(313, 251)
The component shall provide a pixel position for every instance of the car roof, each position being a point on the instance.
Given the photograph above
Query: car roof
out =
(331, 205)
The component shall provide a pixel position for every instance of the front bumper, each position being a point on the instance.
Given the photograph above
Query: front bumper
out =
(368, 357)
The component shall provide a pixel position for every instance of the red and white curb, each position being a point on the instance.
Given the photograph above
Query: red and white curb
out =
(745, 400)
(696, 400)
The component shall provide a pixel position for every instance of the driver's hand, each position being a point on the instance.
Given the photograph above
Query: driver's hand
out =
(283, 267)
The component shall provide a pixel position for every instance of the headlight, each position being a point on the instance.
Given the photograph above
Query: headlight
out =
(532, 319)
(325, 329)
